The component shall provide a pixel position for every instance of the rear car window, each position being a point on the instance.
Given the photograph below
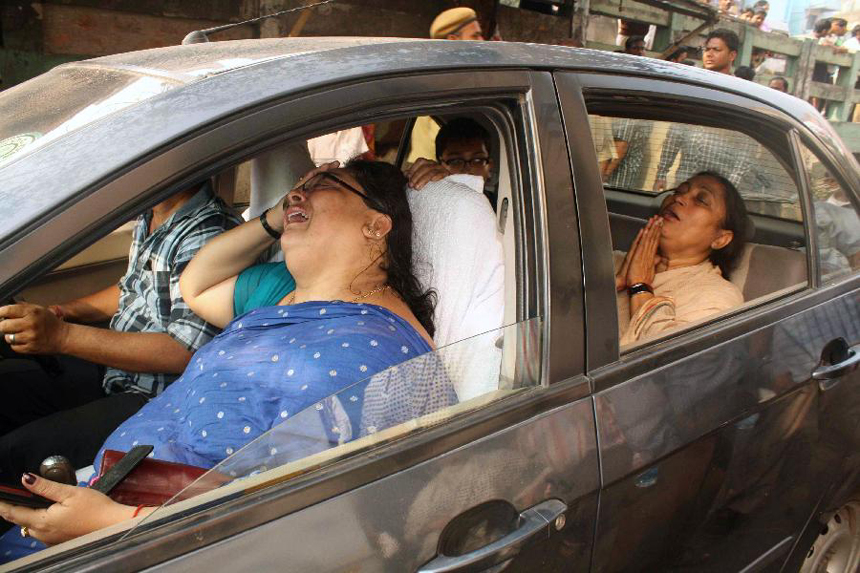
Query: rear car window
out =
(642, 162)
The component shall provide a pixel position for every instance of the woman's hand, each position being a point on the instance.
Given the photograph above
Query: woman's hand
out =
(275, 215)
(77, 511)
(641, 266)
(621, 275)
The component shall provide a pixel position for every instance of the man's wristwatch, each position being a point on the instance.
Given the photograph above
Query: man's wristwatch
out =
(639, 288)
(268, 228)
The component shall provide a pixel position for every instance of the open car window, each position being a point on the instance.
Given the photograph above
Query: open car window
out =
(642, 161)
(390, 405)
(477, 361)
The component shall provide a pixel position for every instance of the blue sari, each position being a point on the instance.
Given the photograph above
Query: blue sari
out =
(268, 365)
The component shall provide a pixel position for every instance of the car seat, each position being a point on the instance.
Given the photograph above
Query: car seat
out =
(766, 269)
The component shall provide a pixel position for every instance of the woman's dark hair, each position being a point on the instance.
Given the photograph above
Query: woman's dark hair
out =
(386, 185)
(735, 221)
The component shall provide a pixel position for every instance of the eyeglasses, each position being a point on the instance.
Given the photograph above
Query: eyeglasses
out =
(458, 163)
(308, 187)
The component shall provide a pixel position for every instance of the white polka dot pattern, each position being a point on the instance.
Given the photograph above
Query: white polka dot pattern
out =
(255, 377)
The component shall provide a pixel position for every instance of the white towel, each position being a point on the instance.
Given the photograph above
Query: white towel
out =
(458, 252)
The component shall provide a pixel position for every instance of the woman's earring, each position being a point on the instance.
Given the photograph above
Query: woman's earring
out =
(377, 233)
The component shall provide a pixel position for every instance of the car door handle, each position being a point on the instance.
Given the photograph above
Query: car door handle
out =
(534, 520)
(829, 376)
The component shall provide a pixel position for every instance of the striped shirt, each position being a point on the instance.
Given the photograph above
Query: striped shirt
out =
(149, 298)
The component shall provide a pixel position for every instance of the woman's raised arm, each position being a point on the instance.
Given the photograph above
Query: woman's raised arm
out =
(209, 280)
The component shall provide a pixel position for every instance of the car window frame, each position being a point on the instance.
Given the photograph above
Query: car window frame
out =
(608, 366)
(206, 152)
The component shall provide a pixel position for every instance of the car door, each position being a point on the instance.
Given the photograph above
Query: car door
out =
(709, 440)
(834, 322)
(507, 482)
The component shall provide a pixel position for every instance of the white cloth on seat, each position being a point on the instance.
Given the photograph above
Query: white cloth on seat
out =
(458, 252)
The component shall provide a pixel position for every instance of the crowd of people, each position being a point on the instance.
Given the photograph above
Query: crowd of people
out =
(207, 348)
(634, 38)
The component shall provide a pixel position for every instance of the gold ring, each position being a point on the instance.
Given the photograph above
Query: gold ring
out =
(11, 339)
(25, 531)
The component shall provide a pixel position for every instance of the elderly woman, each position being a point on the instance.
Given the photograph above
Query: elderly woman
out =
(675, 272)
(348, 307)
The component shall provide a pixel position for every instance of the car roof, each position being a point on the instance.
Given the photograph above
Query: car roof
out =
(191, 62)
(187, 63)
(215, 80)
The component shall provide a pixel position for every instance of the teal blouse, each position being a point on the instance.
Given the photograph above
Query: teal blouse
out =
(261, 285)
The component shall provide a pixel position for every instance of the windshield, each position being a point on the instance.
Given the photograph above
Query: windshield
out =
(64, 99)
(411, 396)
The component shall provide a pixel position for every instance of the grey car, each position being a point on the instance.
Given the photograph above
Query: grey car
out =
(731, 444)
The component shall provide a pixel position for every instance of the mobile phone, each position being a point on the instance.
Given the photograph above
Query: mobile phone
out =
(20, 496)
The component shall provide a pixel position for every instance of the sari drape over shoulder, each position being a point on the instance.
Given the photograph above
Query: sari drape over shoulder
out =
(266, 366)
(682, 296)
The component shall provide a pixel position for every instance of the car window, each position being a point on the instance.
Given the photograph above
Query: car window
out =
(392, 404)
(472, 366)
(477, 360)
(837, 226)
(645, 164)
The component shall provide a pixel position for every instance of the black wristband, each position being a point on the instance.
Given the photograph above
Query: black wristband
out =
(639, 288)
(272, 233)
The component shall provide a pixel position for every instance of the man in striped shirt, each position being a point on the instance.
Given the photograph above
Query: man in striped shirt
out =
(102, 376)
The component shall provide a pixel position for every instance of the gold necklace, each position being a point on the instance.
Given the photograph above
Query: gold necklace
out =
(367, 294)
(382, 288)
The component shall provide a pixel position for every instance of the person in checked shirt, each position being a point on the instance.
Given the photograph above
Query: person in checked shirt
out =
(86, 380)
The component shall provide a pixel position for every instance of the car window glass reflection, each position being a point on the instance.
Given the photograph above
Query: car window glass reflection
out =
(653, 156)
(415, 394)
(836, 222)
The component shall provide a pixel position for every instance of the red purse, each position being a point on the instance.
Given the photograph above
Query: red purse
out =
(153, 482)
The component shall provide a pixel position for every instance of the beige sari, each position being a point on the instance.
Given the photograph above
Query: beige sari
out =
(682, 296)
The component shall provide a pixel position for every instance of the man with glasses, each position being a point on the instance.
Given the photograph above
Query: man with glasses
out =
(462, 148)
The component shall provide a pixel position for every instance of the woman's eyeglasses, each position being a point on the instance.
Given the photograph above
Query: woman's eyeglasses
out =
(308, 186)
(458, 163)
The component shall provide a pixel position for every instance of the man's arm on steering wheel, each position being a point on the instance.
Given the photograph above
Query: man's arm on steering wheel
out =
(33, 329)
(97, 307)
